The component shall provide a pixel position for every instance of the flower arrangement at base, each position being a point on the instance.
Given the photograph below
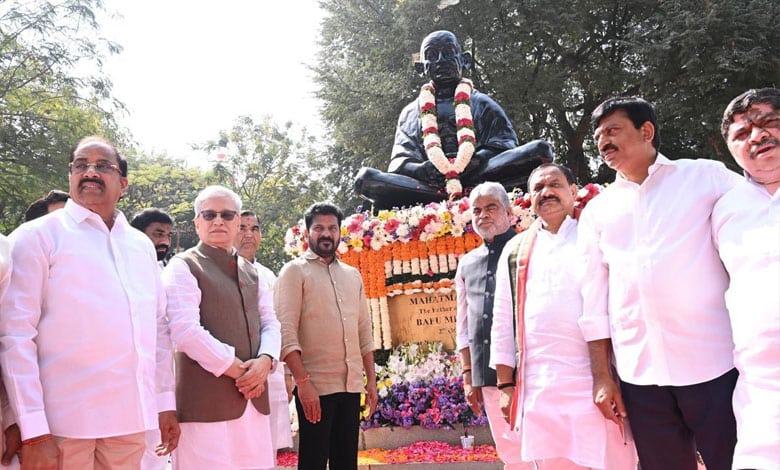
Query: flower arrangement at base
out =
(413, 250)
(421, 384)
(419, 452)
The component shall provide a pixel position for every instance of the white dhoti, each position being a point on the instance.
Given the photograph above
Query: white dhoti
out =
(243, 443)
(281, 431)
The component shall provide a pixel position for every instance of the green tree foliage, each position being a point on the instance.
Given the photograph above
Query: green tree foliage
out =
(166, 184)
(549, 64)
(274, 170)
(47, 100)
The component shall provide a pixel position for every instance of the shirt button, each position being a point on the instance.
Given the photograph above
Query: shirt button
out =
(489, 272)
(484, 316)
(486, 341)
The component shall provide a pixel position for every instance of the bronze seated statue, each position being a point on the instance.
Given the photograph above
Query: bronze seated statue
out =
(450, 139)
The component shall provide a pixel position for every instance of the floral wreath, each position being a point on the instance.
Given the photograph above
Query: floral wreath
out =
(451, 168)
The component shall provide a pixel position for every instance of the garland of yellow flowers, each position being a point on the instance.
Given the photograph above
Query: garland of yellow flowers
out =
(451, 168)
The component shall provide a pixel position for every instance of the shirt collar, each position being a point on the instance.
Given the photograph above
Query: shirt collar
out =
(567, 226)
(660, 160)
(310, 255)
(80, 213)
(502, 238)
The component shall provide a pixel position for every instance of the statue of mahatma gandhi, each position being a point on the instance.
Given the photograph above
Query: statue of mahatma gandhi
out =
(450, 139)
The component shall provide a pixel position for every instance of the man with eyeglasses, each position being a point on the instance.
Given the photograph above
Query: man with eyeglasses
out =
(475, 285)
(227, 339)
(746, 231)
(86, 350)
(327, 343)
(247, 243)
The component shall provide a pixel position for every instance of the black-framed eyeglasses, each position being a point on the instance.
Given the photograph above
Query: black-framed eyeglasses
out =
(227, 216)
(79, 167)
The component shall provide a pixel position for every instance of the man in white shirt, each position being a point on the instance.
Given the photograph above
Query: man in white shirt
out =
(653, 295)
(475, 285)
(247, 243)
(11, 439)
(550, 394)
(86, 351)
(227, 341)
(746, 229)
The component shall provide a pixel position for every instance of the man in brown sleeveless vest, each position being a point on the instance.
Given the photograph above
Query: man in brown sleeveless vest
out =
(227, 340)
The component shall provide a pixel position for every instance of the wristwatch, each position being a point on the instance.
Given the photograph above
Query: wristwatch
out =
(273, 361)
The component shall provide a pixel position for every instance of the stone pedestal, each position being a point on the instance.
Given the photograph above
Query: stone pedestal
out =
(392, 438)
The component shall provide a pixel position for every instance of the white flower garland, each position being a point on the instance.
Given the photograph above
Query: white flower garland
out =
(450, 168)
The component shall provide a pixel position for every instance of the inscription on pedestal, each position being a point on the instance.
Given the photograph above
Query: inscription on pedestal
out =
(423, 317)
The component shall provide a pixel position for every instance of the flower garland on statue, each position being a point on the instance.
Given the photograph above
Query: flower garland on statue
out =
(451, 168)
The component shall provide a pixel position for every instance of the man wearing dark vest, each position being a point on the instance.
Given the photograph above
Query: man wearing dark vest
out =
(328, 344)
(227, 339)
(475, 285)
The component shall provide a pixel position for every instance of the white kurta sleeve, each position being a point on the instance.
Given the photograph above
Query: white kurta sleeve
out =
(270, 329)
(164, 377)
(21, 312)
(594, 321)
(187, 333)
(462, 311)
(502, 333)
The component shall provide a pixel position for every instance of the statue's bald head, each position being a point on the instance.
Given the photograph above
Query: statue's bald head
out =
(441, 58)
(440, 40)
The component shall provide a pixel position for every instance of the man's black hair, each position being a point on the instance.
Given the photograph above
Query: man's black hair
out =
(743, 102)
(121, 160)
(148, 216)
(40, 207)
(637, 109)
(322, 208)
(563, 169)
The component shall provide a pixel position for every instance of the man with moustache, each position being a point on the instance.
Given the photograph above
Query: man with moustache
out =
(227, 341)
(475, 284)
(247, 243)
(86, 351)
(551, 391)
(746, 229)
(157, 225)
(653, 295)
(327, 344)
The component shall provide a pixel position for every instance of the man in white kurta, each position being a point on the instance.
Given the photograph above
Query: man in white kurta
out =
(559, 425)
(653, 295)
(243, 442)
(86, 352)
(746, 230)
(247, 243)
(6, 417)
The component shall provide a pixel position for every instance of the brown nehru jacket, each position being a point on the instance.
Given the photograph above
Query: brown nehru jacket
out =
(229, 311)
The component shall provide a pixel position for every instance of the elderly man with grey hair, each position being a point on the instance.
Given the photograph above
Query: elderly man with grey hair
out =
(475, 284)
(227, 339)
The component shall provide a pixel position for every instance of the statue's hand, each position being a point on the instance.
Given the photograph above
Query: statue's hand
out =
(477, 163)
(424, 172)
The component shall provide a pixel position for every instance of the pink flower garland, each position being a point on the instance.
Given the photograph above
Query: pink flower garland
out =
(451, 168)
